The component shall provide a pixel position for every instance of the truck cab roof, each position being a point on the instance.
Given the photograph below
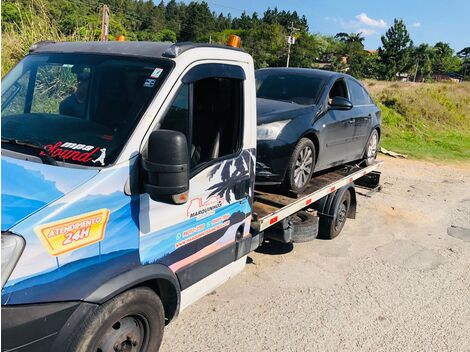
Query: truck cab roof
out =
(130, 48)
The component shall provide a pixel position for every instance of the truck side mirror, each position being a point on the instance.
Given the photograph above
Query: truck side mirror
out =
(165, 166)
(341, 103)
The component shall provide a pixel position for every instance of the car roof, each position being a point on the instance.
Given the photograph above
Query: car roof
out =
(126, 48)
(312, 72)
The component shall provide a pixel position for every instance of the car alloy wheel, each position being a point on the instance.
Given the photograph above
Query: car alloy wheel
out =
(303, 167)
(372, 148)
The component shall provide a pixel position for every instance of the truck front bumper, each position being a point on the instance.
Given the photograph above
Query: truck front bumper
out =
(41, 327)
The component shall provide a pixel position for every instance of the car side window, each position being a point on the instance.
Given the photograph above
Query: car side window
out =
(338, 90)
(210, 113)
(358, 94)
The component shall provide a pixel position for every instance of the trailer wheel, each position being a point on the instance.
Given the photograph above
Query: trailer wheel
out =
(131, 321)
(305, 227)
(331, 225)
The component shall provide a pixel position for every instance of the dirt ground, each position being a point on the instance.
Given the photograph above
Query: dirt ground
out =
(394, 280)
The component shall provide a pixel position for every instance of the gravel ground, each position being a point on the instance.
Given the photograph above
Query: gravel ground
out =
(394, 280)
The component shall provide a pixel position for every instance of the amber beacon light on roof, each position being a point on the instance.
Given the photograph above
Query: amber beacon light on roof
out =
(234, 41)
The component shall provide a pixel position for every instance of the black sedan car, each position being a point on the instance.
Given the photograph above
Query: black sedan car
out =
(311, 120)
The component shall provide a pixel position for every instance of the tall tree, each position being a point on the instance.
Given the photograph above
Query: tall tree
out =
(422, 57)
(444, 59)
(396, 50)
(199, 21)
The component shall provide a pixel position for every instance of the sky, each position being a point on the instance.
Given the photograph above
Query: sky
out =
(428, 21)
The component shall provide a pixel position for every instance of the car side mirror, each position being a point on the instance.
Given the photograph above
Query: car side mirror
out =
(341, 103)
(165, 166)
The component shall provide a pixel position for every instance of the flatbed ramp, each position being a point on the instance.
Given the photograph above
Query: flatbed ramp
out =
(270, 208)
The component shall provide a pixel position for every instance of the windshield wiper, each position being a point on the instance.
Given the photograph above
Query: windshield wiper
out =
(43, 155)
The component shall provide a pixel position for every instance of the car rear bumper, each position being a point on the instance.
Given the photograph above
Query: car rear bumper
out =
(41, 327)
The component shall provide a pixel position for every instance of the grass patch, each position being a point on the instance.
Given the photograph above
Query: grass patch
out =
(430, 121)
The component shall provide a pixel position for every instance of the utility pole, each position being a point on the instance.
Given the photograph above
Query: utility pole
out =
(105, 23)
(290, 41)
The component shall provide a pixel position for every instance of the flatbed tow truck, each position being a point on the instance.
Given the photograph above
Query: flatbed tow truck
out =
(135, 196)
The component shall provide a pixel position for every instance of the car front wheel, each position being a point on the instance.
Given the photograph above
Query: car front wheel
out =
(301, 164)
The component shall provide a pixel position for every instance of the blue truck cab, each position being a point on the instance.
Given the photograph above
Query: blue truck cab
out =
(127, 189)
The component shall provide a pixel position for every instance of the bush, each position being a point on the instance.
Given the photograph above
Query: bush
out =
(430, 120)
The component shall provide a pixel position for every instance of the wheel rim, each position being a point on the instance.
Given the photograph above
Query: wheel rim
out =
(303, 167)
(341, 216)
(129, 334)
(372, 147)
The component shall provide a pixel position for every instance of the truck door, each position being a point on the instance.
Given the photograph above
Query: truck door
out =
(203, 235)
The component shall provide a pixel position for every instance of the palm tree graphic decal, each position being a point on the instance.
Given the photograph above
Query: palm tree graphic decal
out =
(233, 172)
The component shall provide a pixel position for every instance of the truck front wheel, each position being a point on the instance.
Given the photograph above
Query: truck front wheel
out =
(130, 322)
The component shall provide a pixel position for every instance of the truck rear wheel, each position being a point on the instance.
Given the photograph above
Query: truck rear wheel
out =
(332, 224)
(130, 322)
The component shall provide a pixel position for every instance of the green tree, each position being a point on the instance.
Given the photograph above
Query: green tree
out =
(422, 57)
(199, 21)
(395, 51)
(464, 55)
(444, 59)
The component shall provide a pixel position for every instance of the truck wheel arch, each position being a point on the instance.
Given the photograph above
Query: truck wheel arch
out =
(158, 277)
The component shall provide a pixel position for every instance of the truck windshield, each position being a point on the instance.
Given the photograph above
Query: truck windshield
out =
(77, 108)
(290, 87)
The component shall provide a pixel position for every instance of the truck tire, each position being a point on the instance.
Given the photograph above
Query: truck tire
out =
(300, 167)
(131, 321)
(331, 224)
(305, 227)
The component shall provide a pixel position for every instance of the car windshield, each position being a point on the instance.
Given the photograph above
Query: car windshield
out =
(77, 108)
(290, 87)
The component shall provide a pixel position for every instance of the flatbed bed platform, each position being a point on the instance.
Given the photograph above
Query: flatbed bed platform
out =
(271, 205)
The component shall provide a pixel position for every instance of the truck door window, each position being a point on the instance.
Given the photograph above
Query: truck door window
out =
(213, 118)
(177, 116)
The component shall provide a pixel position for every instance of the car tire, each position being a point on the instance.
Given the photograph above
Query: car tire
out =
(131, 321)
(330, 225)
(372, 147)
(300, 167)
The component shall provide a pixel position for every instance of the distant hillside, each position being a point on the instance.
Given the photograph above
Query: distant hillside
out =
(425, 120)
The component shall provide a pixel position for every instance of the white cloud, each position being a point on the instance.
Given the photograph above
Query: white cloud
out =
(416, 24)
(366, 32)
(366, 20)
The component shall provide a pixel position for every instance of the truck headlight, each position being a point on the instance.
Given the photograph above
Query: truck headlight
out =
(12, 247)
(271, 130)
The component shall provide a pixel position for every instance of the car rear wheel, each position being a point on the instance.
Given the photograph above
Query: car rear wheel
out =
(371, 148)
(301, 164)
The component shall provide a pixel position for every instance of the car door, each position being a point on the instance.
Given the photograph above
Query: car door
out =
(336, 129)
(203, 235)
(362, 112)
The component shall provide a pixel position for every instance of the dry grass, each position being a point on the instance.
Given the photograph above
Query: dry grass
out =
(425, 120)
